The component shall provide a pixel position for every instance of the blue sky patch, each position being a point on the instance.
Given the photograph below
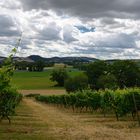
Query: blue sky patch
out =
(84, 29)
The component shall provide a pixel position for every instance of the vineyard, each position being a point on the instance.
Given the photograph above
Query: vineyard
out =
(9, 96)
(9, 99)
(119, 102)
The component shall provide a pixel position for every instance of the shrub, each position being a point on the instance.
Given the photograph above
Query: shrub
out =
(108, 81)
(32, 95)
(78, 82)
(59, 75)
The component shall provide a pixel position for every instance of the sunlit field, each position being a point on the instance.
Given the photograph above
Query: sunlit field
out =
(37, 80)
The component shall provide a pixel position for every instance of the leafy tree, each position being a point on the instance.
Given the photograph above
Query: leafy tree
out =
(80, 66)
(21, 65)
(30, 67)
(59, 75)
(40, 65)
(126, 72)
(36, 66)
(94, 71)
(49, 64)
(107, 81)
(79, 82)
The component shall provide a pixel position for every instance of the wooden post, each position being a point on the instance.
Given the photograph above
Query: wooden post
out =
(135, 105)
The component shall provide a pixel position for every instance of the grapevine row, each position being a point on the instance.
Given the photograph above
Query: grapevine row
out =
(120, 102)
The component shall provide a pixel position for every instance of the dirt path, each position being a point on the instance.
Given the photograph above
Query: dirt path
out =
(64, 125)
(43, 92)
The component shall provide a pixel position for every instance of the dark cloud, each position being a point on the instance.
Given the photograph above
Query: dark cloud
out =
(116, 41)
(88, 8)
(8, 27)
(107, 53)
(7, 42)
(119, 46)
(108, 21)
(122, 40)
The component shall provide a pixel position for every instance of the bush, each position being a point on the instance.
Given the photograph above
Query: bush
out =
(32, 95)
(78, 82)
(107, 82)
(59, 75)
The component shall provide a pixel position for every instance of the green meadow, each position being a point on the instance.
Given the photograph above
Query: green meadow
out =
(37, 80)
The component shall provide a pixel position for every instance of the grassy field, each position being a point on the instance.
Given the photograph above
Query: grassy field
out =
(37, 121)
(36, 80)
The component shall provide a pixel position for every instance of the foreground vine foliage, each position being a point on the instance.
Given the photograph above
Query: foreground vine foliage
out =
(9, 96)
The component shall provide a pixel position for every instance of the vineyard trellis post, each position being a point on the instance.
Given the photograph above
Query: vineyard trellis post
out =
(136, 108)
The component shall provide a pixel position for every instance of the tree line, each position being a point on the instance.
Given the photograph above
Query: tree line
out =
(32, 66)
(100, 75)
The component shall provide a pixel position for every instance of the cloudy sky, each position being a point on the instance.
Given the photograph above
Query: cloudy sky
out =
(104, 29)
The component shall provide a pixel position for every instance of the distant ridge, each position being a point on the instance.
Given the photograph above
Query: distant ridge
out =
(62, 59)
(34, 58)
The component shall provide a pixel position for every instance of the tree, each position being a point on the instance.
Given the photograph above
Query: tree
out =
(108, 81)
(126, 72)
(59, 75)
(36, 66)
(39, 65)
(79, 82)
(94, 71)
(21, 65)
